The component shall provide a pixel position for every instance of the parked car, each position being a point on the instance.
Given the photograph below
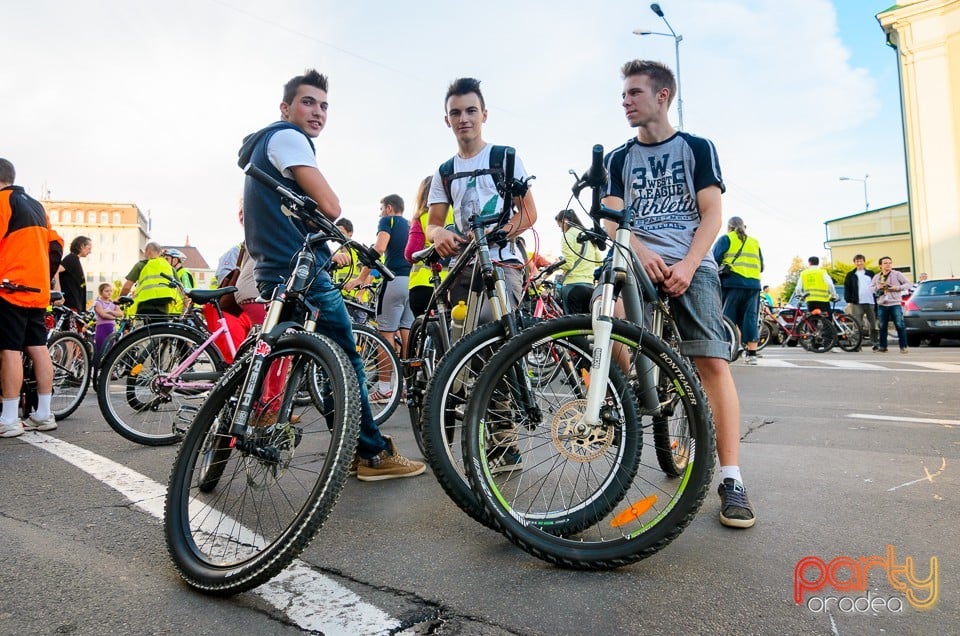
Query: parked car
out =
(933, 311)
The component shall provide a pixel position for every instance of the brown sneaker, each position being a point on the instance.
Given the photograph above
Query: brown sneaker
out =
(387, 466)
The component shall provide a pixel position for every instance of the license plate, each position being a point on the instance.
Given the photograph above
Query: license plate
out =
(946, 323)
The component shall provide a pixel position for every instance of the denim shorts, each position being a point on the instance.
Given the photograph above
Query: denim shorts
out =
(699, 316)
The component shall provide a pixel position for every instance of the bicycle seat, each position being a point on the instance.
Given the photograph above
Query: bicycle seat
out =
(125, 301)
(203, 296)
(424, 255)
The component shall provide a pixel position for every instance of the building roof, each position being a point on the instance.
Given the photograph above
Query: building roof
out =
(195, 259)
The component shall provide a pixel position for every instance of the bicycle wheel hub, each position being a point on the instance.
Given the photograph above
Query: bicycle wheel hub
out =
(575, 441)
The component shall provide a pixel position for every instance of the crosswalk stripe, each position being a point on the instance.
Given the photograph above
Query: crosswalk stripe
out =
(312, 601)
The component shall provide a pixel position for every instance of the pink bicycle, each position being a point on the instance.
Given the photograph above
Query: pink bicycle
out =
(153, 382)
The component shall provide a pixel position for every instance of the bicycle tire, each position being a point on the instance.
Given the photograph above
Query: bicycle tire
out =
(426, 350)
(610, 523)
(371, 346)
(444, 406)
(767, 333)
(131, 392)
(733, 339)
(817, 334)
(849, 333)
(70, 355)
(236, 534)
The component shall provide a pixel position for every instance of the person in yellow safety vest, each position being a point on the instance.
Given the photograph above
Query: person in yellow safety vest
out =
(153, 295)
(817, 284)
(420, 287)
(741, 262)
(580, 261)
(176, 258)
(346, 264)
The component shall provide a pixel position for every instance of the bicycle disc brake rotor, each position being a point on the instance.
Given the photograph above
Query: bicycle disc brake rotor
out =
(585, 446)
(282, 439)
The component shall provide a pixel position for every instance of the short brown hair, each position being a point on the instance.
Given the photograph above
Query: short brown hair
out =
(310, 77)
(660, 75)
(464, 86)
(394, 201)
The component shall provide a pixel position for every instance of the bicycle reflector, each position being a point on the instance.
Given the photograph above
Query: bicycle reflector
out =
(633, 512)
(815, 312)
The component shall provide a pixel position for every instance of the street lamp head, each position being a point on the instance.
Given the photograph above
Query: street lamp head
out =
(656, 9)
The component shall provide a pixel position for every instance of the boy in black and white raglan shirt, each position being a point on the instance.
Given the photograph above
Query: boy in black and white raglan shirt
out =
(672, 180)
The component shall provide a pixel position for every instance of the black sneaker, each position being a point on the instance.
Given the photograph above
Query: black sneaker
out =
(735, 508)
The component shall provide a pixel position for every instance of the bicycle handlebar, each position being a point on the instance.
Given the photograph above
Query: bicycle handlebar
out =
(17, 287)
(305, 208)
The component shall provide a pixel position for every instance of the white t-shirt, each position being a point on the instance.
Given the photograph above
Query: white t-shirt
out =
(476, 194)
(863, 288)
(287, 149)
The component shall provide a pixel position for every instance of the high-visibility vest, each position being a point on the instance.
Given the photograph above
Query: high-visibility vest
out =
(748, 263)
(151, 285)
(420, 273)
(815, 285)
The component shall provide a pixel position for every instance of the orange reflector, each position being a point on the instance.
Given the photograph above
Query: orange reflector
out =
(633, 511)
(136, 369)
(585, 374)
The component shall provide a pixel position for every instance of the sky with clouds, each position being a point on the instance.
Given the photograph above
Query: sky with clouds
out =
(147, 102)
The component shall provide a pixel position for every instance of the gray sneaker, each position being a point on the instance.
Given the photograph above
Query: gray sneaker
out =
(751, 360)
(48, 424)
(735, 508)
(11, 430)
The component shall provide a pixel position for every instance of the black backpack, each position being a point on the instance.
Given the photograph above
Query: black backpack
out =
(496, 167)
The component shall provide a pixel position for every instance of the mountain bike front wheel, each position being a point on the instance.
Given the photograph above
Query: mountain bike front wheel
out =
(239, 511)
(580, 496)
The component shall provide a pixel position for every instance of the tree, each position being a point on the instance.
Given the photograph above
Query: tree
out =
(793, 275)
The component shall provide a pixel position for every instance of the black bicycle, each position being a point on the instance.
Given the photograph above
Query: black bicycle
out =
(266, 456)
(441, 368)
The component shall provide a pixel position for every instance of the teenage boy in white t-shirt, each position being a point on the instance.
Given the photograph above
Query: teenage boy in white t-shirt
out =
(465, 113)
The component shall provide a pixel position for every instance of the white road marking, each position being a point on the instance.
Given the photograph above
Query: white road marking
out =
(312, 601)
(824, 363)
(895, 418)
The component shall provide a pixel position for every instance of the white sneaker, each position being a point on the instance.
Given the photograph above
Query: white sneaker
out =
(11, 430)
(751, 360)
(49, 424)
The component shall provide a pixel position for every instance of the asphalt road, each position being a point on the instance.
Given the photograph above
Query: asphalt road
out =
(844, 455)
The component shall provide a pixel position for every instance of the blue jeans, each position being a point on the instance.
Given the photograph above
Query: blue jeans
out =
(886, 313)
(742, 307)
(334, 322)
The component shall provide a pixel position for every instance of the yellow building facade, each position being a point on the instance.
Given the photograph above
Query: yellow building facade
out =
(926, 35)
(118, 231)
(875, 234)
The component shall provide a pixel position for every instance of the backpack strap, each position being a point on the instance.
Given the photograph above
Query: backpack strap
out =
(446, 171)
(495, 167)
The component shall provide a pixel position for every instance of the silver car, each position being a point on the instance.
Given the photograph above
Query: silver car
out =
(933, 311)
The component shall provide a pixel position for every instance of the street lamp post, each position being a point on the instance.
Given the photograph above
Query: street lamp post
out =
(677, 39)
(866, 201)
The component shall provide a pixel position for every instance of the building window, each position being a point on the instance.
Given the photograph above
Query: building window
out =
(104, 218)
(116, 218)
(66, 216)
(54, 217)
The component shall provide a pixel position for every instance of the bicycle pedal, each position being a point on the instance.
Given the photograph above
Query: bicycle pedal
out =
(185, 417)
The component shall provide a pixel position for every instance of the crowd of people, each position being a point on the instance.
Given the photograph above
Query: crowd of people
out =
(676, 256)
